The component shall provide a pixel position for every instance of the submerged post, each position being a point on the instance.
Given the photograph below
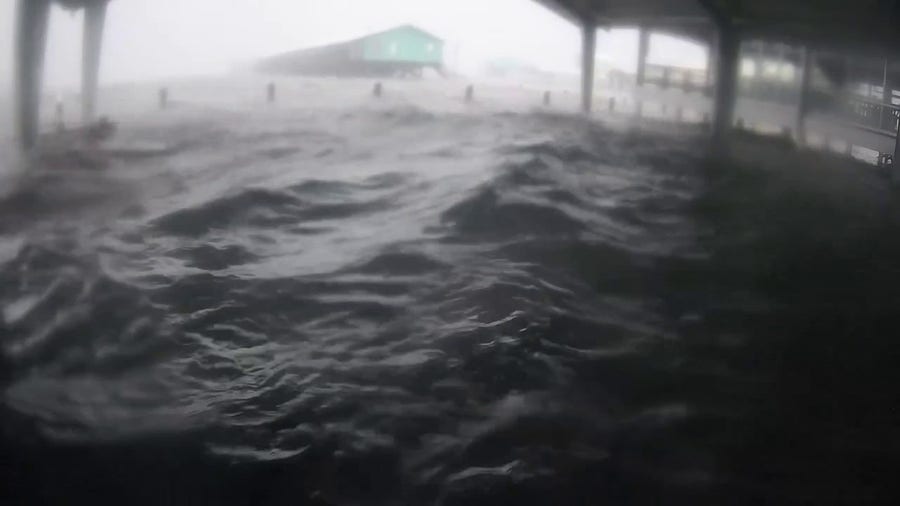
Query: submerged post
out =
(546, 99)
(377, 90)
(31, 41)
(94, 20)
(588, 49)
(270, 93)
(643, 45)
(470, 93)
(60, 115)
(728, 51)
(803, 105)
(163, 98)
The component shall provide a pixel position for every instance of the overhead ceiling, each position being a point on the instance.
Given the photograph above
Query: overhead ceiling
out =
(871, 26)
(853, 24)
(74, 4)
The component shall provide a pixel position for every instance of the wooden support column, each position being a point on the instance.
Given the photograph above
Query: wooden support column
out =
(806, 57)
(895, 161)
(588, 49)
(729, 45)
(94, 20)
(31, 42)
(885, 95)
(643, 46)
(711, 54)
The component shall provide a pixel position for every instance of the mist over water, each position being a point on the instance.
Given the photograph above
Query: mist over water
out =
(380, 302)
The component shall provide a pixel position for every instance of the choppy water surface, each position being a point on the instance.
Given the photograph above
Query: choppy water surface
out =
(395, 306)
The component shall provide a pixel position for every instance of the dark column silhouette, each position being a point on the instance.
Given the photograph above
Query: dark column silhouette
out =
(163, 98)
(728, 52)
(31, 41)
(803, 104)
(643, 46)
(588, 49)
(895, 161)
(94, 20)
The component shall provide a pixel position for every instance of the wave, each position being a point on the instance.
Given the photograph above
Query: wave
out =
(440, 309)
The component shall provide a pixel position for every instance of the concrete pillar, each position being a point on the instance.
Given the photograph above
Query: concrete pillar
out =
(31, 42)
(895, 161)
(588, 50)
(728, 54)
(643, 46)
(885, 99)
(94, 20)
(806, 58)
(760, 86)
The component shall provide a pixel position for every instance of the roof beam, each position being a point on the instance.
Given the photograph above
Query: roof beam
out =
(575, 15)
(716, 12)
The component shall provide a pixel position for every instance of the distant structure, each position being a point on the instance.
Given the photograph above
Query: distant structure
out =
(403, 50)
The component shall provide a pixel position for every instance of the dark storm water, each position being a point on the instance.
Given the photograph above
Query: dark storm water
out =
(398, 307)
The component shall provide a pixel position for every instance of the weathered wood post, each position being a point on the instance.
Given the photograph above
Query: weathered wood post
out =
(803, 103)
(163, 98)
(60, 115)
(643, 48)
(728, 50)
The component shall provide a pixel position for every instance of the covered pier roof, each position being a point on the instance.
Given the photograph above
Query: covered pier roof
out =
(862, 24)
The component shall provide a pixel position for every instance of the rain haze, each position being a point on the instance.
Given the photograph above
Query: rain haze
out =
(151, 39)
(449, 252)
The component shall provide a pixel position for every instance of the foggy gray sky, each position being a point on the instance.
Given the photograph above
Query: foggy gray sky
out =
(148, 39)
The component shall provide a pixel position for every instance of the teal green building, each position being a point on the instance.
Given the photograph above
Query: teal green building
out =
(403, 50)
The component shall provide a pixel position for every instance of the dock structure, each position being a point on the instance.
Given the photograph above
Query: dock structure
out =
(32, 17)
(819, 28)
(863, 27)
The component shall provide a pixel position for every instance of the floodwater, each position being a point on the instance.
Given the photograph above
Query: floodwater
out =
(413, 301)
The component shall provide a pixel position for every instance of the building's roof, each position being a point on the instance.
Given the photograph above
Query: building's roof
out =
(75, 4)
(398, 28)
(869, 24)
(344, 43)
